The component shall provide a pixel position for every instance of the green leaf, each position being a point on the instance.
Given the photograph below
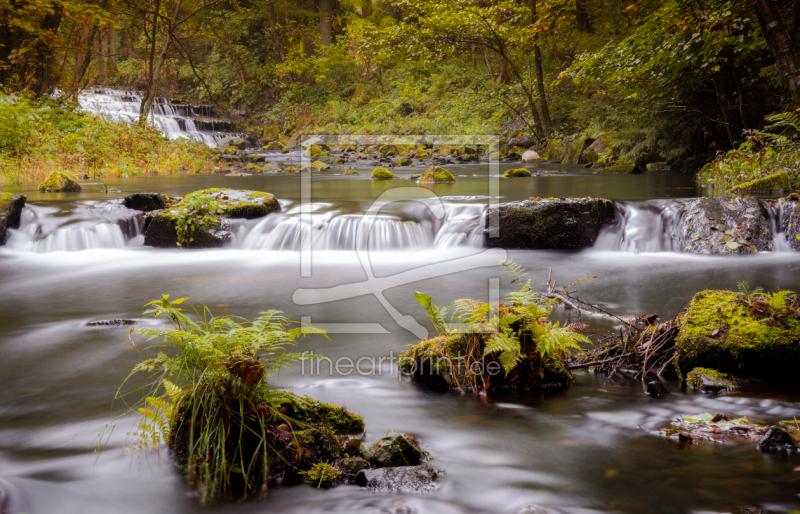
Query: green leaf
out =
(733, 245)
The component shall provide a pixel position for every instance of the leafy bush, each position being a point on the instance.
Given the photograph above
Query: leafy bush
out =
(41, 136)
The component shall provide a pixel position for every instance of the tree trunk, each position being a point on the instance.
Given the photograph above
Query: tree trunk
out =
(537, 64)
(325, 22)
(781, 44)
(147, 100)
(277, 43)
(83, 55)
(796, 30)
(582, 18)
(44, 51)
(487, 59)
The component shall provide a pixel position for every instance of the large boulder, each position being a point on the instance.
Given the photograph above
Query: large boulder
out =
(146, 202)
(201, 219)
(403, 479)
(437, 175)
(549, 224)
(775, 183)
(725, 226)
(530, 156)
(10, 210)
(392, 450)
(57, 182)
(753, 336)
(790, 220)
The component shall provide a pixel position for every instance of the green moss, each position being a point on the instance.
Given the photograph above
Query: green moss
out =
(519, 172)
(337, 419)
(776, 182)
(274, 145)
(322, 474)
(437, 175)
(404, 162)
(231, 150)
(429, 351)
(57, 182)
(695, 377)
(350, 172)
(617, 168)
(291, 169)
(4, 199)
(722, 331)
(382, 174)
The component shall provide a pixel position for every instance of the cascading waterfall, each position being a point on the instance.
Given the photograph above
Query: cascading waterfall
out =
(652, 226)
(176, 120)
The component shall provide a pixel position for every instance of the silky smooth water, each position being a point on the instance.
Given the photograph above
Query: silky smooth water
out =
(587, 449)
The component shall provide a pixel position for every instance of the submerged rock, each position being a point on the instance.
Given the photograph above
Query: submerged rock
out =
(201, 219)
(392, 450)
(10, 211)
(403, 479)
(725, 226)
(656, 389)
(146, 201)
(757, 336)
(57, 182)
(790, 220)
(549, 224)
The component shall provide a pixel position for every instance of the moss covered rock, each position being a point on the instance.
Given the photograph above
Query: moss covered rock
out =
(351, 172)
(519, 172)
(549, 224)
(392, 450)
(57, 182)
(724, 331)
(620, 168)
(709, 380)
(200, 219)
(10, 211)
(437, 175)
(790, 220)
(274, 146)
(382, 174)
(777, 182)
(146, 202)
(725, 226)
(404, 162)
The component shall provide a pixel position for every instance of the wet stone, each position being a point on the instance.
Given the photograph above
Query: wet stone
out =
(656, 389)
(403, 479)
(774, 438)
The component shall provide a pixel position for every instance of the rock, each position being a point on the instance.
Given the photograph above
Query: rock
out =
(657, 166)
(382, 174)
(274, 146)
(209, 210)
(774, 438)
(722, 331)
(404, 162)
(10, 211)
(790, 220)
(775, 183)
(238, 142)
(257, 158)
(393, 450)
(146, 201)
(57, 182)
(551, 224)
(530, 156)
(519, 172)
(437, 175)
(621, 168)
(709, 381)
(725, 226)
(404, 479)
(110, 323)
(656, 389)
(351, 172)
(352, 465)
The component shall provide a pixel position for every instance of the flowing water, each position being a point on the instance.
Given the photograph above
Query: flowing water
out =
(586, 449)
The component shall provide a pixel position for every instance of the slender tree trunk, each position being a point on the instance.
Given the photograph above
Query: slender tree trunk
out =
(796, 30)
(325, 22)
(44, 51)
(487, 59)
(781, 44)
(537, 64)
(147, 101)
(144, 106)
(83, 55)
(277, 42)
(582, 18)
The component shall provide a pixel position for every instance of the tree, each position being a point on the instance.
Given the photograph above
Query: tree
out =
(780, 42)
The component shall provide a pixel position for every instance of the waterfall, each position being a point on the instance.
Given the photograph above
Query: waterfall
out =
(174, 118)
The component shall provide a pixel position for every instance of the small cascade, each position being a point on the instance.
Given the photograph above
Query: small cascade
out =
(463, 227)
(652, 226)
(91, 226)
(776, 213)
(173, 117)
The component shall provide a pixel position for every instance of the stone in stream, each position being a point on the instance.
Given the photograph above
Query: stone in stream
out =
(110, 323)
(393, 449)
(58, 182)
(774, 438)
(350, 466)
(549, 224)
(790, 220)
(530, 156)
(10, 211)
(201, 219)
(710, 381)
(775, 183)
(725, 226)
(402, 479)
(656, 389)
(146, 202)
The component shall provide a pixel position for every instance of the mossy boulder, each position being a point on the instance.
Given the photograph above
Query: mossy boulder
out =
(146, 202)
(437, 175)
(549, 224)
(725, 226)
(519, 172)
(620, 168)
(404, 162)
(57, 182)
(351, 172)
(274, 146)
(724, 331)
(338, 419)
(777, 182)
(790, 220)
(710, 381)
(200, 219)
(10, 211)
(392, 450)
(382, 174)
